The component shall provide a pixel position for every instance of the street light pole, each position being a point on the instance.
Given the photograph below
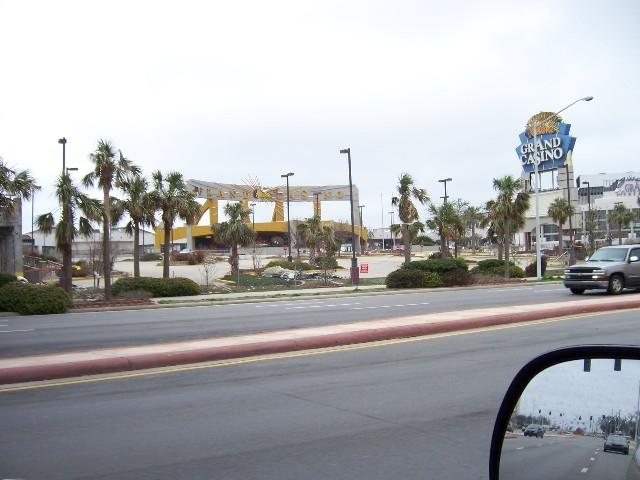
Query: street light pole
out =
(355, 277)
(393, 237)
(588, 184)
(289, 257)
(253, 214)
(536, 160)
(63, 142)
(361, 207)
(445, 180)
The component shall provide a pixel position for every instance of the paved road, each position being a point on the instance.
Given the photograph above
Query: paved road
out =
(89, 330)
(563, 457)
(410, 410)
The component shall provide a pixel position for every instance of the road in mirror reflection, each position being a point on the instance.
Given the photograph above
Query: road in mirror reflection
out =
(568, 416)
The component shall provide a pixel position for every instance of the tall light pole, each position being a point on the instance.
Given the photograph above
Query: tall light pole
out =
(393, 237)
(537, 185)
(361, 207)
(589, 216)
(253, 215)
(289, 257)
(63, 141)
(445, 180)
(355, 276)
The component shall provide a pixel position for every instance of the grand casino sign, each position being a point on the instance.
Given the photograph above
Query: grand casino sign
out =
(552, 143)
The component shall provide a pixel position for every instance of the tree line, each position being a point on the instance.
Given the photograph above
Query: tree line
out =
(165, 196)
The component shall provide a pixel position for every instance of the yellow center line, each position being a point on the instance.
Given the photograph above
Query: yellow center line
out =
(284, 355)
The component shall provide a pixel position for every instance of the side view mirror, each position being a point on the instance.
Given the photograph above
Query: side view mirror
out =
(570, 412)
(633, 258)
(586, 259)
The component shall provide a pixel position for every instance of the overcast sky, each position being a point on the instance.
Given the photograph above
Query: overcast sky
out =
(225, 90)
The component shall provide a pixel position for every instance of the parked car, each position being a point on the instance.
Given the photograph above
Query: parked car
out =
(616, 443)
(609, 268)
(534, 430)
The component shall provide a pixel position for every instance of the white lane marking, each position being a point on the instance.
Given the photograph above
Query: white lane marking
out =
(584, 470)
(11, 331)
(510, 289)
(520, 448)
(321, 306)
(592, 459)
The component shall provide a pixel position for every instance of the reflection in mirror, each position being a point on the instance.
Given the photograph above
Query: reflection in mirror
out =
(576, 420)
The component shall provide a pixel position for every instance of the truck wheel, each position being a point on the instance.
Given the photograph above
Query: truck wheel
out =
(577, 291)
(616, 284)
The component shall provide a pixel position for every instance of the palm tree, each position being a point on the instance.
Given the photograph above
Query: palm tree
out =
(407, 211)
(459, 227)
(310, 231)
(446, 222)
(71, 199)
(171, 197)
(620, 217)
(510, 208)
(591, 221)
(14, 185)
(235, 232)
(494, 226)
(46, 223)
(473, 217)
(328, 246)
(139, 206)
(415, 229)
(559, 210)
(108, 171)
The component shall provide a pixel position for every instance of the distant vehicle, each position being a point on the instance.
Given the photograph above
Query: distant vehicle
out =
(534, 430)
(186, 250)
(609, 268)
(616, 443)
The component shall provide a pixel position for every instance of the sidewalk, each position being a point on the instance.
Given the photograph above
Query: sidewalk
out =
(41, 367)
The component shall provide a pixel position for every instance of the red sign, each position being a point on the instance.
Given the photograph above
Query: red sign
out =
(364, 268)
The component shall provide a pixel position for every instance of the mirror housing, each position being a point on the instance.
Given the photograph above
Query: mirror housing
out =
(533, 368)
(633, 258)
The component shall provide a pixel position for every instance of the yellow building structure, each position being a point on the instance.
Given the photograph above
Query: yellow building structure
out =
(200, 235)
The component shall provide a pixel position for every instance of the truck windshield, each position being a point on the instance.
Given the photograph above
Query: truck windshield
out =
(609, 255)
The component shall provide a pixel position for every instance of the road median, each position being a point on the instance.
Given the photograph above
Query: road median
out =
(73, 364)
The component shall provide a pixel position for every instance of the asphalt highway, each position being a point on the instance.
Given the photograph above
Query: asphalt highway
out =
(410, 409)
(563, 457)
(89, 330)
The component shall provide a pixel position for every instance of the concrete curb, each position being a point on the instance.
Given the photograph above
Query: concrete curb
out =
(340, 336)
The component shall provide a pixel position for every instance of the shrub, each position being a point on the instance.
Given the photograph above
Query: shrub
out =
(33, 299)
(406, 278)
(7, 278)
(150, 257)
(455, 277)
(294, 265)
(192, 258)
(436, 255)
(432, 280)
(157, 287)
(532, 268)
(490, 264)
(438, 265)
(326, 263)
(497, 269)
